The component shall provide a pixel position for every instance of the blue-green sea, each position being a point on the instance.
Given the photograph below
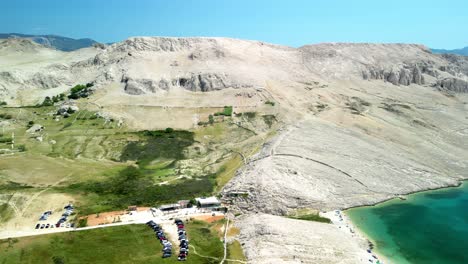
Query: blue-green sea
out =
(428, 227)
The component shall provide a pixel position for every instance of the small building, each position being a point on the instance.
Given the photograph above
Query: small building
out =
(169, 207)
(208, 202)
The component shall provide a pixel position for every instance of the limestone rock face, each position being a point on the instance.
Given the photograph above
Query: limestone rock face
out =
(453, 85)
(201, 82)
(404, 75)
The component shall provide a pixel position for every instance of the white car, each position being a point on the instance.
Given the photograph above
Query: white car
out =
(68, 225)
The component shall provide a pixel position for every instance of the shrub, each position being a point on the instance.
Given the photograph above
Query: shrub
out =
(47, 102)
(21, 148)
(30, 123)
(6, 140)
(3, 103)
(169, 130)
(6, 116)
(270, 103)
(210, 119)
(83, 222)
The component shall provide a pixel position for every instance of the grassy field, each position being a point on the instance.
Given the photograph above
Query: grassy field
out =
(122, 244)
(101, 165)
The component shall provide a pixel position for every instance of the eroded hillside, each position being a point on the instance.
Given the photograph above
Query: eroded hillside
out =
(354, 124)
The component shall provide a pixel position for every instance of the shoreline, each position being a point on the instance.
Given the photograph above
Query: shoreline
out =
(343, 222)
(397, 196)
(363, 235)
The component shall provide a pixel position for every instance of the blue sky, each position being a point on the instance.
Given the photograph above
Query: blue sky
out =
(438, 24)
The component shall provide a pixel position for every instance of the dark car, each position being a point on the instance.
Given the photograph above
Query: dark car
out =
(167, 255)
(47, 226)
(37, 226)
(42, 226)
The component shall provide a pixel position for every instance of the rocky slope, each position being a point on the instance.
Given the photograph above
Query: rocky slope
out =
(361, 122)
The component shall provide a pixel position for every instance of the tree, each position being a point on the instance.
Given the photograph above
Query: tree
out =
(169, 130)
(21, 148)
(211, 119)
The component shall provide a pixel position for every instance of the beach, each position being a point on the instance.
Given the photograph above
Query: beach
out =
(342, 222)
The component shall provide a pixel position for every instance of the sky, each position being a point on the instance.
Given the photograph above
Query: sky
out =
(437, 24)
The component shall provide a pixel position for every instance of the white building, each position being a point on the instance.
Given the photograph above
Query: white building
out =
(207, 202)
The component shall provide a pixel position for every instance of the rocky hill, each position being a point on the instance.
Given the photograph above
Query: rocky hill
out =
(362, 123)
(54, 41)
(462, 51)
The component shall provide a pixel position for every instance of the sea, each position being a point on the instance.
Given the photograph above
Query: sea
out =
(427, 227)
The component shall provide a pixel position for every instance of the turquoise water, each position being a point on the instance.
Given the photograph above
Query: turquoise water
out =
(428, 227)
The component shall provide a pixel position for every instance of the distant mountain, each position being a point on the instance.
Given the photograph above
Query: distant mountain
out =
(463, 51)
(53, 41)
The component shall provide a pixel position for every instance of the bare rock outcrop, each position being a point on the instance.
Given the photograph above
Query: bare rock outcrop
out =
(452, 85)
(405, 75)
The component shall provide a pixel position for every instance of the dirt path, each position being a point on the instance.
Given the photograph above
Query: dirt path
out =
(34, 197)
(226, 227)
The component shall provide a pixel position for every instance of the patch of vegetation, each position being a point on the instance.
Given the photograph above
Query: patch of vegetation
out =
(228, 170)
(250, 115)
(47, 102)
(270, 103)
(234, 251)
(83, 222)
(6, 140)
(6, 213)
(13, 186)
(312, 217)
(269, 120)
(133, 186)
(167, 144)
(80, 91)
(227, 111)
(3, 103)
(5, 116)
(21, 148)
(109, 245)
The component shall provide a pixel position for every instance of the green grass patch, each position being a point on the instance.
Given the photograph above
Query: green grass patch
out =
(133, 187)
(227, 111)
(121, 244)
(6, 213)
(312, 217)
(228, 170)
(234, 251)
(159, 144)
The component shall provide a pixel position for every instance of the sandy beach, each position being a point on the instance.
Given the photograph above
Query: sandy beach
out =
(342, 221)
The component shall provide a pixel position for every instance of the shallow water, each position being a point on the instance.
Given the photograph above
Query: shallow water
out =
(428, 227)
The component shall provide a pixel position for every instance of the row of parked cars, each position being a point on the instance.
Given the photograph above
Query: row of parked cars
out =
(68, 211)
(47, 226)
(184, 243)
(167, 245)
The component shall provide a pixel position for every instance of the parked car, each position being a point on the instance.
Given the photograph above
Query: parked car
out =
(167, 254)
(47, 226)
(42, 226)
(37, 226)
(68, 225)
